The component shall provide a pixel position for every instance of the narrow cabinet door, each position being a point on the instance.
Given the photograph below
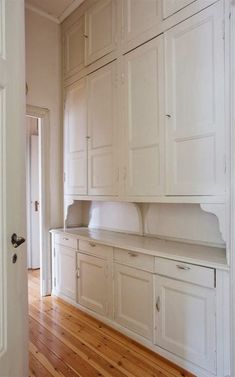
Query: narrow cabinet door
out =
(185, 321)
(195, 123)
(76, 139)
(144, 119)
(66, 271)
(102, 130)
(100, 30)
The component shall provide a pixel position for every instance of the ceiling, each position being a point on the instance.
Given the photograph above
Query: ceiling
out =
(56, 10)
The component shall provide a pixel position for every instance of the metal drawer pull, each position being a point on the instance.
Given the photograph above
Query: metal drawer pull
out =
(133, 254)
(158, 304)
(183, 267)
(92, 244)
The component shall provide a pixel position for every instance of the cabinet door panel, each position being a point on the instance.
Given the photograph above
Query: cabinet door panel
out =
(144, 116)
(66, 271)
(172, 6)
(101, 130)
(74, 48)
(140, 16)
(195, 104)
(93, 284)
(134, 300)
(75, 139)
(185, 323)
(100, 30)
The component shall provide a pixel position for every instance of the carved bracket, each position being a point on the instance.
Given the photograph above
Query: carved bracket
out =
(68, 202)
(219, 211)
(139, 210)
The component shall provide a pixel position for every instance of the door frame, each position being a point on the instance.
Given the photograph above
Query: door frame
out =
(44, 156)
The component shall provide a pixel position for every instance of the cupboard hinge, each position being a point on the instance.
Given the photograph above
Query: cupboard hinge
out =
(64, 177)
(54, 282)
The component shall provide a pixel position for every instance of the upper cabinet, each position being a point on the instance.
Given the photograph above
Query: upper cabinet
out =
(195, 118)
(143, 101)
(100, 30)
(102, 103)
(75, 132)
(172, 6)
(73, 47)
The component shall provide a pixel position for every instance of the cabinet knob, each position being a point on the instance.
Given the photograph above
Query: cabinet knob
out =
(92, 244)
(133, 254)
(168, 116)
(85, 35)
(180, 267)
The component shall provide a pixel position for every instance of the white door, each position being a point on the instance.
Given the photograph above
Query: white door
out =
(65, 271)
(13, 276)
(195, 121)
(35, 209)
(100, 30)
(75, 163)
(102, 131)
(133, 290)
(93, 283)
(185, 321)
(143, 101)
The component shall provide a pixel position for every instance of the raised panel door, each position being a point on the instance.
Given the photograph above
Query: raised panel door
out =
(144, 119)
(65, 271)
(76, 139)
(100, 30)
(133, 296)
(195, 124)
(185, 321)
(102, 131)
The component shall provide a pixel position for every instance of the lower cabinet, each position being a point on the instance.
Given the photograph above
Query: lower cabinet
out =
(186, 321)
(133, 297)
(94, 282)
(65, 270)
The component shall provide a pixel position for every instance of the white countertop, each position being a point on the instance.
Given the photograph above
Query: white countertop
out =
(214, 257)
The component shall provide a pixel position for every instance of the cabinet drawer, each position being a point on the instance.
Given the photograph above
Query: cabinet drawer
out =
(93, 248)
(131, 258)
(186, 272)
(65, 240)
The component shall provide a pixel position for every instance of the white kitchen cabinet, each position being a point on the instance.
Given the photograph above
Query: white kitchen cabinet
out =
(133, 296)
(94, 281)
(102, 103)
(186, 321)
(74, 48)
(143, 101)
(100, 30)
(75, 132)
(139, 16)
(195, 120)
(172, 6)
(65, 271)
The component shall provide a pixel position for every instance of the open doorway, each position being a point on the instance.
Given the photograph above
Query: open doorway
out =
(38, 195)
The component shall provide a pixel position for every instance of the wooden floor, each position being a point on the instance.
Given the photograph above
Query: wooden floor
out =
(66, 342)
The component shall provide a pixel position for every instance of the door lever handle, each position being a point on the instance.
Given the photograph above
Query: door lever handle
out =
(17, 241)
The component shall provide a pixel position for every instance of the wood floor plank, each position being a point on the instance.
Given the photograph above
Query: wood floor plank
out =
(64, 341)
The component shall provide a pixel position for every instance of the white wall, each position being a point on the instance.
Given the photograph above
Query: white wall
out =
(43, 76)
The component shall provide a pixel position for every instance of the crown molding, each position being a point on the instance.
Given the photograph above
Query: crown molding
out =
(42, 13)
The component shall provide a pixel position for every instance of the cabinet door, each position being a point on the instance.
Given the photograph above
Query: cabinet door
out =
(93, 284)
(195, 105)
(140, 16)
(172, 6)
(100, 30)
(134, 300)
(101, 131)
(185, 321)
(144, 119)
(75, 139)
(65, 271)
(74, 46)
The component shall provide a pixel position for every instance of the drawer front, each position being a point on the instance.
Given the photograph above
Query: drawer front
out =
(131, 258)
(186, 272)
(65, 240)
(98, 250)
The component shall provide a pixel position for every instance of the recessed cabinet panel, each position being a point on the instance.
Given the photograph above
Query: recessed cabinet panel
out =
(195, 105)
(66, 271)
(144, 116)
(185, 321)
(74, 47)
(75, 139)
(172, 6)
(134, 300)
(101, 130)
(93, 283)
(100, 30)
